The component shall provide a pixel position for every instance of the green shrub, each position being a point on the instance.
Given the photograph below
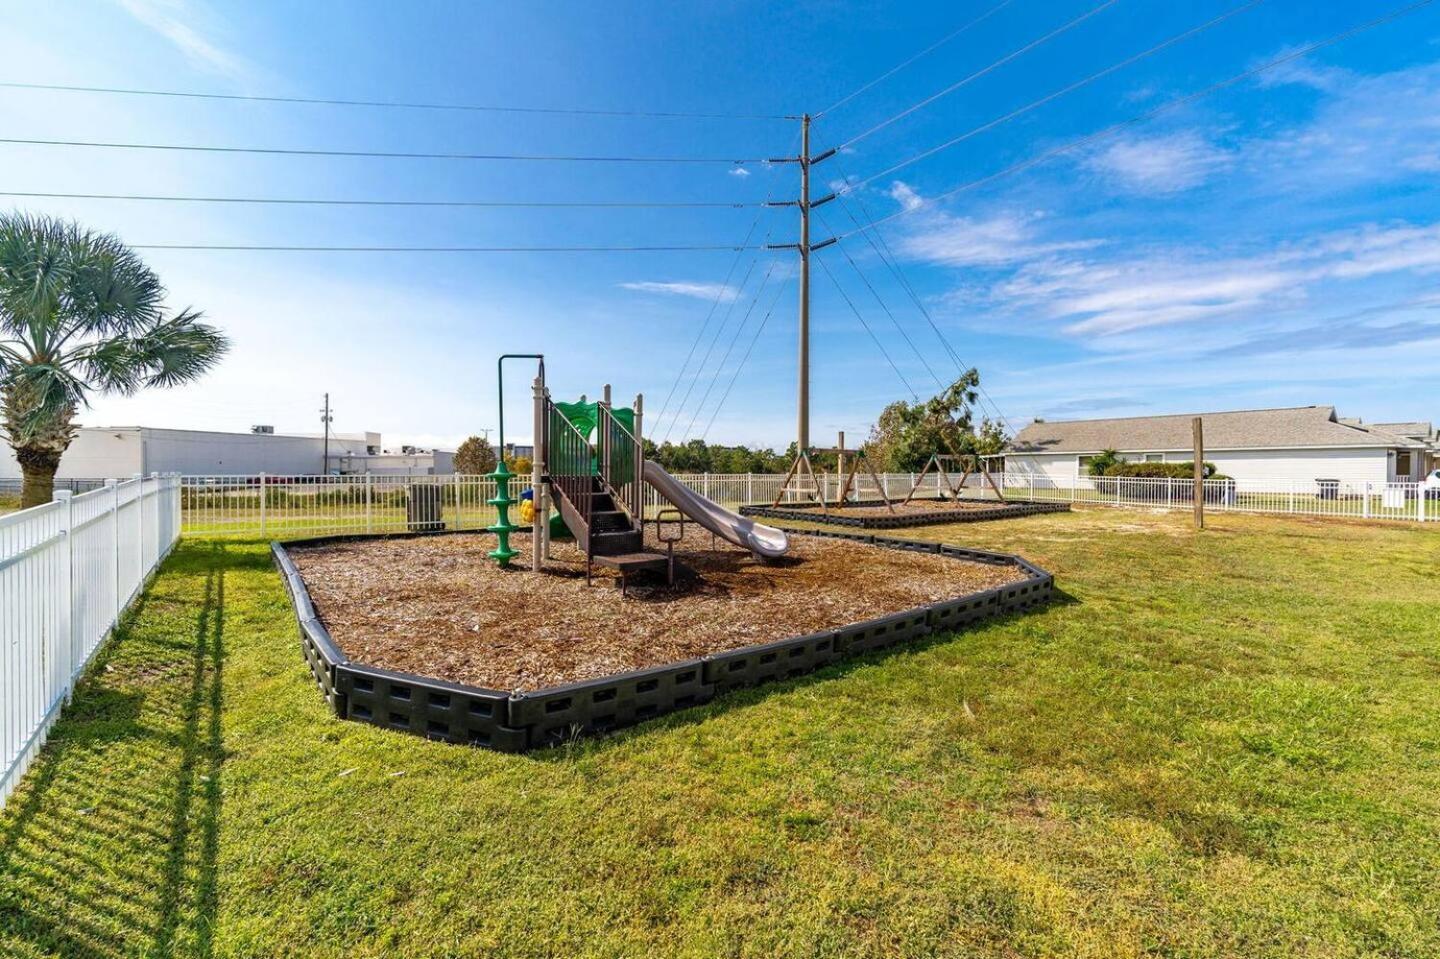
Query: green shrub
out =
(1106, 460)
(1161, 470)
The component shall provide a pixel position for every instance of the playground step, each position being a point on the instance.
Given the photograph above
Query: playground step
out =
(634, 562)
(609, 521)
(615, 543)
(630, 563)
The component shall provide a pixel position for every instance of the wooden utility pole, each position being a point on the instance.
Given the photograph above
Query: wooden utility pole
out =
(1199, 473)
(804, 248)
(802, 428)
(325, 418)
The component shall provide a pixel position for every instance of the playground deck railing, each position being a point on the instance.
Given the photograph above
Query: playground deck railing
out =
(571, 463)
(282, 506)
(621, 463)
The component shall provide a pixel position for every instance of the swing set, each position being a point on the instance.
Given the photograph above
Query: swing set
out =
(944, 465)
(803, 465)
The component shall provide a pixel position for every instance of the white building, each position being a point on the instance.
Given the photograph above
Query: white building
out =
(1258, 448)
(120, 451)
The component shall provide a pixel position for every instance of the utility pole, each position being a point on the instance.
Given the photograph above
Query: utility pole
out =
(326, 418)
(804, 248)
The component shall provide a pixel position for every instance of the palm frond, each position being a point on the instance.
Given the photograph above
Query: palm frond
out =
(179, 350)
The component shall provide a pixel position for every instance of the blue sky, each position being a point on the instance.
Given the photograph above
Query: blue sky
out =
(1274, 244)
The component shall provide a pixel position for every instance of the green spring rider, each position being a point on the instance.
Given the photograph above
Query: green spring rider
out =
(502, 554)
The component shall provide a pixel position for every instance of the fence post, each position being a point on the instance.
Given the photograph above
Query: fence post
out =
(1365, 507)
(749, 487)
(67, 576)
(139, 532)
(707, 485)
(262, 505)
(114, 488)
(369, 521)
(1419, 504)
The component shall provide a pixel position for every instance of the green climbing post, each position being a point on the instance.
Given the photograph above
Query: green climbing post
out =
(502, 553)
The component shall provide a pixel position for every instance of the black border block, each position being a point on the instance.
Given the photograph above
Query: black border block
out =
(883, 632)
(324, 658)
(558, 713)
(457, 713)
(432, 708)
(782, 659)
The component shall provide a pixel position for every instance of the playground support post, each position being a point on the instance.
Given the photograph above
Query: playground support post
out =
(539, 492)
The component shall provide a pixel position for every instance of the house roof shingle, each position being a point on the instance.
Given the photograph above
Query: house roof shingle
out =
(1302, 426)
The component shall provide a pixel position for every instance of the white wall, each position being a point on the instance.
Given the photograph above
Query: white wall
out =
(94, 454)
(99, 453)
(1253, 468)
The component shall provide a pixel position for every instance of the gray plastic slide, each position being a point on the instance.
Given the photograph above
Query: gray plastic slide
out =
(743, 532)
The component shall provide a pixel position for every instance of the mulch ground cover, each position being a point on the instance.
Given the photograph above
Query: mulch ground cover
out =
(436, 606)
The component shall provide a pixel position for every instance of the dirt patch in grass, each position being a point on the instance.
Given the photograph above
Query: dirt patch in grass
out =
(436, 606)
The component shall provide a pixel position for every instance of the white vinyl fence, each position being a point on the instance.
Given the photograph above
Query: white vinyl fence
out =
(284, 506)
(68, 569)
(1332, 498)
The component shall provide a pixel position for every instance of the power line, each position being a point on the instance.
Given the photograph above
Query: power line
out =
(754, 301)
(881, 346)
(238, 247)
(396, 104)
(384, 154)
(743, 360)
(981, 72)
(1148, 114)
(714, 305)
(892, 262)
(690, 388)
(894, 321)
(312, 201)
(1055, 95)
(928, 50)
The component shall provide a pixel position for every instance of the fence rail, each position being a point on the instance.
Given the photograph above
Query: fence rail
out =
(68, 569)
(271, 506)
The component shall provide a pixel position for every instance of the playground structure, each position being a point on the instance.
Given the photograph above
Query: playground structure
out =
(597, 486)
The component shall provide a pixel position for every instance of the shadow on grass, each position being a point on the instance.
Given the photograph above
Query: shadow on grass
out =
(114, 847)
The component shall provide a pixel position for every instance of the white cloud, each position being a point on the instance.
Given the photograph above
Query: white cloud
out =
(902, 193)
(1160, 164)
(997, 240)
(739, 171)
(172, 19)
(1169, 287)
(700, 291)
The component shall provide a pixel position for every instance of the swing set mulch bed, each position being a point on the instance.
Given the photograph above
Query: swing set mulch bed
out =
(873, 514)
(424, 633)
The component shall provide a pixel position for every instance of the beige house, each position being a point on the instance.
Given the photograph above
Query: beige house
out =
(1278, 448)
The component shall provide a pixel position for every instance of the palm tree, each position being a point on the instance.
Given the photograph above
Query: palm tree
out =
(80, 313)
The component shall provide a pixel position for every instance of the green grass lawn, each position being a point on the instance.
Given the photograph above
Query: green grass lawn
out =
(1215, 745)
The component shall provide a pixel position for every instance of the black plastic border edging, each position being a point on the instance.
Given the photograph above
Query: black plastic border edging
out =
(516, 722)
(811, 512)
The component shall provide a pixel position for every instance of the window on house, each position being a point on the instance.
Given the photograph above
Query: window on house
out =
(1402, 463)
(1154, 457)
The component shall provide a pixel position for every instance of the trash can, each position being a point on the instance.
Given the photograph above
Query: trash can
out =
(423, 508)
(1328, 488)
